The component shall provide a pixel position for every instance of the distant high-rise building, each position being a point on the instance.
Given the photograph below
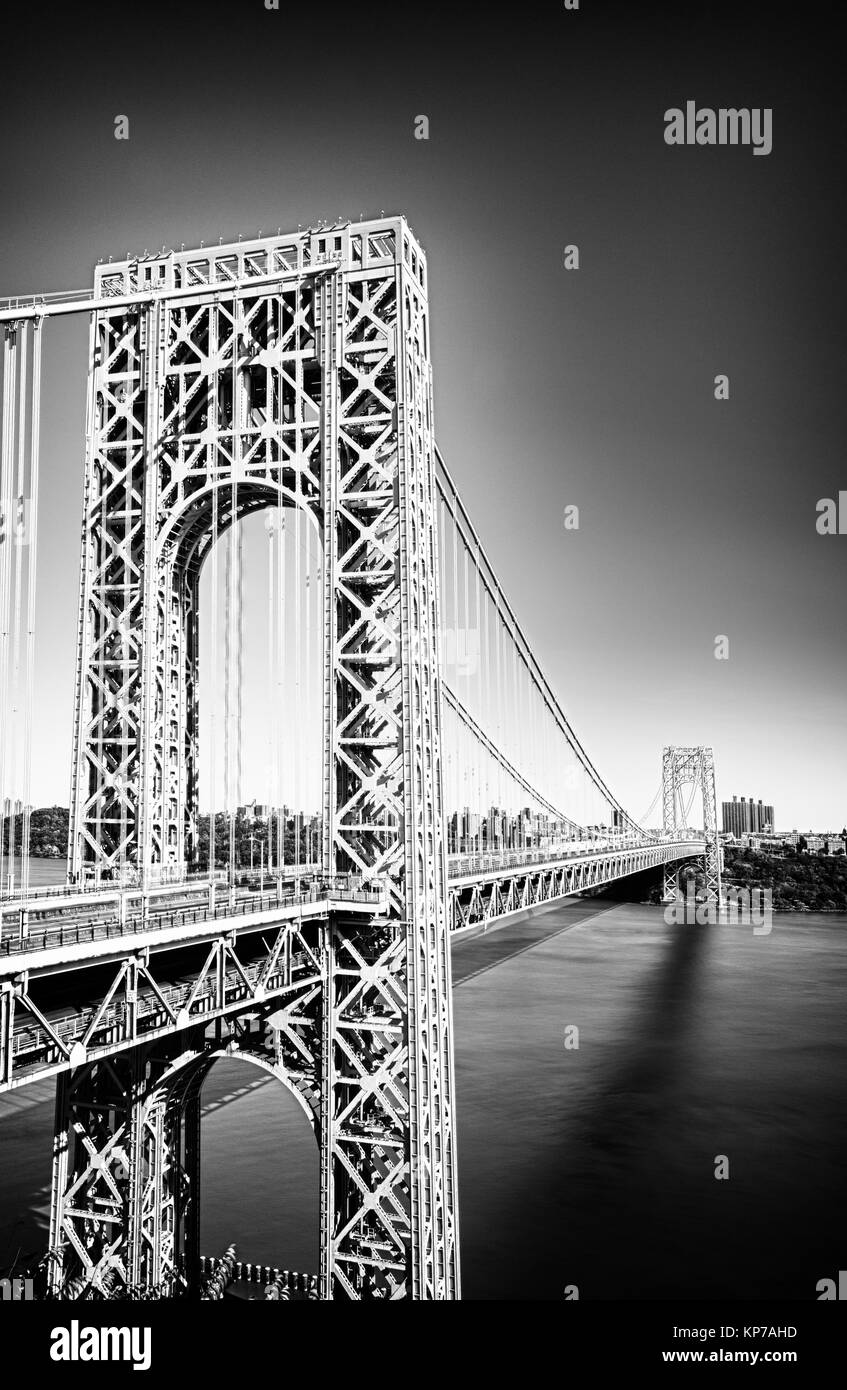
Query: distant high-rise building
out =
(749, 816)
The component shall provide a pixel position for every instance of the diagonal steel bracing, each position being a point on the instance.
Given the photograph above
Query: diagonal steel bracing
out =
(694, 767)
(289, 371)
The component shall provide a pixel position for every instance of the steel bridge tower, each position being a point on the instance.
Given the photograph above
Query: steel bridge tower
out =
(691, 767)
(291, 370)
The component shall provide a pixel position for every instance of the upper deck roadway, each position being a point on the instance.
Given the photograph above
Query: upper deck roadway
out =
(87, 974)
(61, 926)
(66, 929)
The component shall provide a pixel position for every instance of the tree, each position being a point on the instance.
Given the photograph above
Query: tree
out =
(799, 883)
(245, 826)
(48, 832)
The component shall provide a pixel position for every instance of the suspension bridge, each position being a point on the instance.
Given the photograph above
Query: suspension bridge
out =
(288, 375)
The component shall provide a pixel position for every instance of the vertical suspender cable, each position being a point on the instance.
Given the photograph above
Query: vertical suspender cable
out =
(472, 778)
(538, 778)
(522, 718)
(298, 560)
(507, 792)
(316, 679)
(441, 653)
(6, 532)
(270, 643)
(5, 467)
(229, 659)
(552, 787)
(501, 687)
(214, 682)
(315, 684)
(484, 760)
(239, 661)
(512, 716)
(35, 442)
(505, 783)
(125, 649)
(520, 730)
(486, 637)
(241, 421)
(443, 648)
(282, 705)
(19, 541)
(319, 688)
(230, 697)
(538, 741)
(306, 740)
(454, 618)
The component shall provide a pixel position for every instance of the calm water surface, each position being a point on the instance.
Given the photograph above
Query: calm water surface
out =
(592, 1166)
(43, 873)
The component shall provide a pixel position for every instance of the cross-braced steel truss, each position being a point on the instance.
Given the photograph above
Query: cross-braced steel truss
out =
(692, 767)
(482, 897)
(289, 371)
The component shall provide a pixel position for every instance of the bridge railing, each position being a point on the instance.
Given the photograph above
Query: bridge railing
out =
(193, 878)
(29, 301)
(104, 892)
(282, 1284)
(460, 865)
(466, 865)
(131, 885)
(82, 933)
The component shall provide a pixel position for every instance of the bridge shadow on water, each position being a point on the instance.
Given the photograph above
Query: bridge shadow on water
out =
(602, 1172)
(616, 1144)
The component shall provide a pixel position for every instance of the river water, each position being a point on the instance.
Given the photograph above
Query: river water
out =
(700, 1049)
(43, 873)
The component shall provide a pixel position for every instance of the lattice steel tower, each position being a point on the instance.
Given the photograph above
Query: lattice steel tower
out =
(692, 767)
(292, 370)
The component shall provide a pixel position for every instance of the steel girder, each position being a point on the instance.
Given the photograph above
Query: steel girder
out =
(313, 390)
(483, 899)
(139, 994)
(694, 767)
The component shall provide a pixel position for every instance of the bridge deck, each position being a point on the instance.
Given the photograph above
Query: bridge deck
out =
(83, 983)
(64, 946)
(64, 928)
(64, 1001)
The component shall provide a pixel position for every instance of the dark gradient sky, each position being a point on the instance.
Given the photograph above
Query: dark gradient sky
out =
(595, 387)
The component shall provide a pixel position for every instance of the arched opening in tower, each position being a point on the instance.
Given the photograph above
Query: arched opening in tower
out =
(260, 1185)
(259, 732)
